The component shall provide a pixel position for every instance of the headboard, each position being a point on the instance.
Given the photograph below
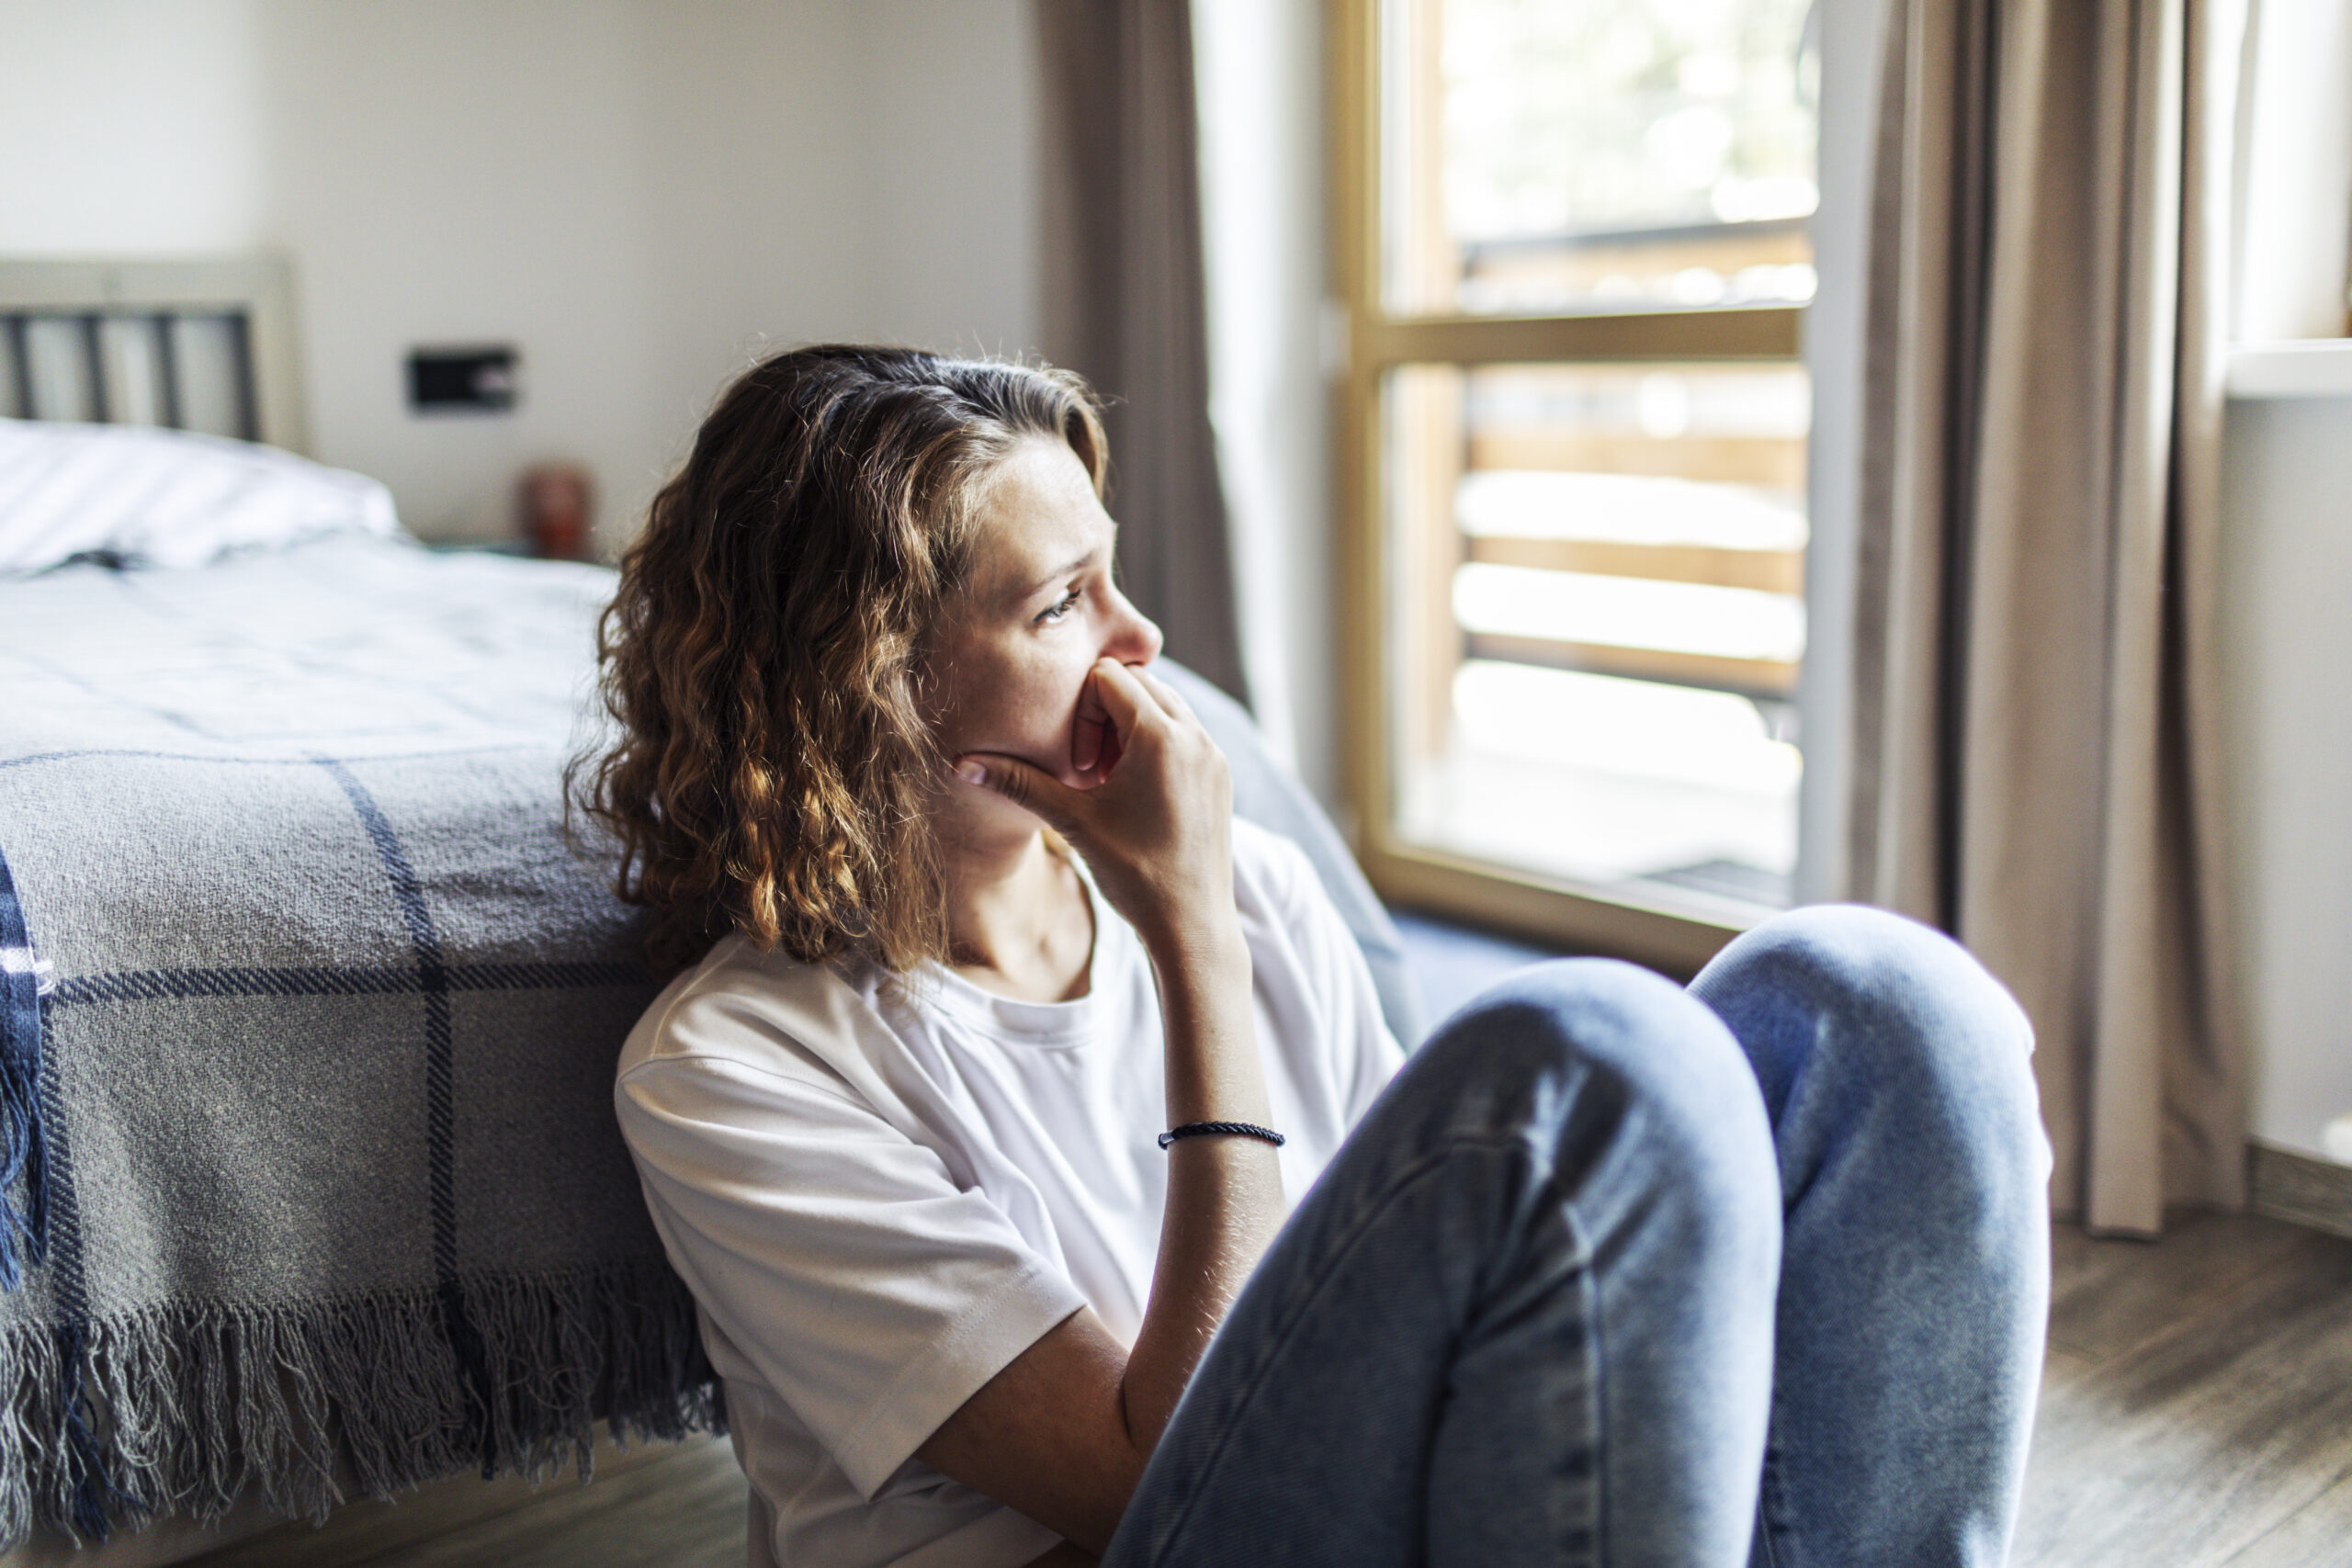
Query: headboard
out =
(199, 345)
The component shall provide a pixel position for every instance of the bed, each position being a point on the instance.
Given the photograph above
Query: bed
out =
(308, 1007)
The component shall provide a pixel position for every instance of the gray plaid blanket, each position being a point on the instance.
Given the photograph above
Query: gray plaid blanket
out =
(307, 1025)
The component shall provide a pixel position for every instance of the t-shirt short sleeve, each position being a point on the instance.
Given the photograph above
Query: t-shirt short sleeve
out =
(835, 1253)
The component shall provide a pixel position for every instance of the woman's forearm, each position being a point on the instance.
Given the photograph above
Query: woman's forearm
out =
(1225, 1194)
(1062, 1433)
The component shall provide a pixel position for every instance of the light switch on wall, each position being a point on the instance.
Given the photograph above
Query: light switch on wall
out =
(458, 380)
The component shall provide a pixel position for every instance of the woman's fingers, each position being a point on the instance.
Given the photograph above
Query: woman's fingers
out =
(1027, 786)
(1123, 697)
(1170, 699)
(1105, 725)
(1086, 748)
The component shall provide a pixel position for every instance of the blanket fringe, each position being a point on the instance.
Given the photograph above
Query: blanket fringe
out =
(188, 1409)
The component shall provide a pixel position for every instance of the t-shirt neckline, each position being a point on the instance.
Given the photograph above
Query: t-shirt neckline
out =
(1060, 1025)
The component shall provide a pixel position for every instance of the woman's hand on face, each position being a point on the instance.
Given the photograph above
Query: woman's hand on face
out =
(1157, 829)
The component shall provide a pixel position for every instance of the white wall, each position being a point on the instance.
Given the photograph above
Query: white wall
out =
(637, 193)
(444, 174)
(2295, 197)
(129, 127)
(2287, 646)
(1258, 66)
(951, 127)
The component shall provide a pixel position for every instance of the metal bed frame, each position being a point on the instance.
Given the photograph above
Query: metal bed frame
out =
(203, 344)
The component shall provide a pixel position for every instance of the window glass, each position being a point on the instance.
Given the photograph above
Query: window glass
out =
(1596, 619)
(1547, 155)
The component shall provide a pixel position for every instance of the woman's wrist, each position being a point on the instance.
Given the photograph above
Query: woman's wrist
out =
(1212, 1050)
(1205, 958)
(1203, 938)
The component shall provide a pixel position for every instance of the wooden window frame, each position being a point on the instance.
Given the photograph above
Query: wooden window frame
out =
(1671, 932)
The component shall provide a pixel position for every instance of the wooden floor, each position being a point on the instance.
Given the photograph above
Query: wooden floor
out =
(2197, 1412)
(679, 1509)
(2196, 1404)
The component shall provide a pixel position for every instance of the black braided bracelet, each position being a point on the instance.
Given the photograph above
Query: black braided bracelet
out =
(1233, 1129)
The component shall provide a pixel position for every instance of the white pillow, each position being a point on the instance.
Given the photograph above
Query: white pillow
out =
(165, 497)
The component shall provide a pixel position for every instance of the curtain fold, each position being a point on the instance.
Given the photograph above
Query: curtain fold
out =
(1125, 303)
(2036, 738)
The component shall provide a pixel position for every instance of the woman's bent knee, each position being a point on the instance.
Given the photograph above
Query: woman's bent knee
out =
(1575, 1017)
(1890, 1023)
(1903, 999)
(1601, 1060)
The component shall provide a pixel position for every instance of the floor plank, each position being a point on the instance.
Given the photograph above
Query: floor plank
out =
(685, 1513)
(2109, 1296)
(679, 1504)
(2318, 1532)
(2201, 1403)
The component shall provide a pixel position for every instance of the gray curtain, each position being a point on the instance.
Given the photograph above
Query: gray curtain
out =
(2036, 743)
(1124, 305)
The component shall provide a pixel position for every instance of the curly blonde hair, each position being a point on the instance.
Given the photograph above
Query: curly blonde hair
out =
(762, 656)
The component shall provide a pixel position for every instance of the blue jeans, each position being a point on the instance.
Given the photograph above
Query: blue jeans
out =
(1615, 1273)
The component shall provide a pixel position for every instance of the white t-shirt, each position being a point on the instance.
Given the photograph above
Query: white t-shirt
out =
(882, 1196)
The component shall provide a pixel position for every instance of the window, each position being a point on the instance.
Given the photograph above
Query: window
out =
(1573, 250)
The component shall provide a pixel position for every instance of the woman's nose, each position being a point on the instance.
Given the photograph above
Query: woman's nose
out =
(1134, 638)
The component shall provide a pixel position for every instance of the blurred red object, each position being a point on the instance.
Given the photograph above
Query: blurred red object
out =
(555, 511)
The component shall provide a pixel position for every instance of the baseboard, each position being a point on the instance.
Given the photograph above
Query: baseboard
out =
(2297, 1187)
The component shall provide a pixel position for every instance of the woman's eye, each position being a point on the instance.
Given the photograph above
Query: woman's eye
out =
(1061, 607)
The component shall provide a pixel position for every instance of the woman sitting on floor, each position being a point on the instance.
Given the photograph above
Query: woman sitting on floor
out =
(1044, 1205)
